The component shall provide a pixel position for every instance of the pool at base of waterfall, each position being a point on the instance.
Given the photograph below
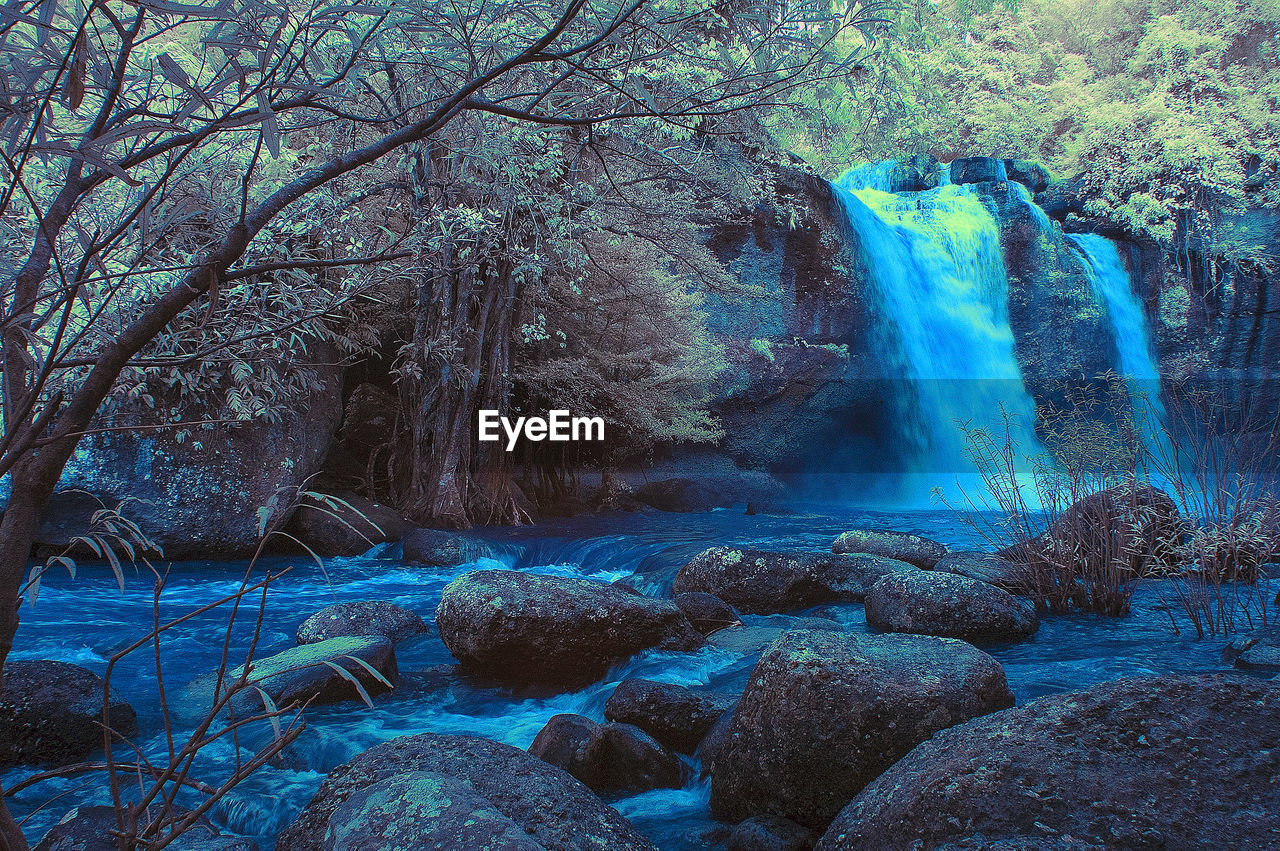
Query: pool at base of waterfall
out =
(87, 619)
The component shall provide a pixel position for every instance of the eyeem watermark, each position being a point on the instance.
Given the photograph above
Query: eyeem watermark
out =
(556, 426)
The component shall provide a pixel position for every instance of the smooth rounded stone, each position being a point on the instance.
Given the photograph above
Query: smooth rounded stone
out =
(1255, 651)
(903, 546)
(421, 809)
(1148, 762)
(435, 548)
(764, 582)
(300, 674)
(706, 612)
(949, 605)
(609, 758)
(770, 833)
(824, 713)
(346, 524)
(678, 717)
(90, 829)
(363, 617)
(550, 806)
(684, 496)
(986, 567)
(51, 712)
(555, 630)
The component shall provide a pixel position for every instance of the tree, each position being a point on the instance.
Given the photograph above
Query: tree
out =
(154, 152)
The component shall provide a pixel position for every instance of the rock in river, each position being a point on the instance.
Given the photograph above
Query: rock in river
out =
(676, 716)
(902, 546)
(362, 617)
(610, 758)
(706, 612)
(763, 582)
(949, 605)
(436, 548)
(1258, 650)
(50, 713)
(987, 567)
(824, 713)
(557, 630)
(386, 791)
(1149, 762)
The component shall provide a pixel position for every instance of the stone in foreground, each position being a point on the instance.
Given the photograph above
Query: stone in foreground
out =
(362, 617)
(770, 833)
(766, 582)
(553, 810)
(903, 546)
(676, 716)
(609, 758)
(1255, 651)
(1149, 762)
(824, 713)
(555, 630)
(950, 606)
(51, 712)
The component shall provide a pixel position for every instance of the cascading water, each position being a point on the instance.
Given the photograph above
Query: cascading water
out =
(1110, 280)
(935, 262)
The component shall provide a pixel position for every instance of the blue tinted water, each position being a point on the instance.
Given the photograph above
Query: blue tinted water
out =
(87, 619)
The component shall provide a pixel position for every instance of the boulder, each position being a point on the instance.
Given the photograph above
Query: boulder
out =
(363, 617)
(609, 758)
(300, 674)
(902, 546)
(90, 829)
(680, 495)
(770, 833)
(1137, 521)
(679, 718)
(1029, 173)
(1258, 650)
(706, 612)
(557, 630)
(978, 170)
(51, 712)
(436, 548)
(761, 582)
(949, 605)
(752, 639)
(553, 809)
(824, 713)
(1146, 762)
(1062, 198)
(348, 525)
(915, 174)
(986, 567)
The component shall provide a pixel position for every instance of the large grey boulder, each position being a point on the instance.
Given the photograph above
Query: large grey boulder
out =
(903, 546)
(949, 605)
(51, 713)
(554, 810)
(558, 630)
(362, 617)
(1149, 762)
(763, 582)
(824, 713)
(610, 758)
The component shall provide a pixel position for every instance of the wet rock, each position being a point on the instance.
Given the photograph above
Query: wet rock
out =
(349, 525)
(949, 605)
(557, 630)
(680, 495)
(1029, 173)
(706, 612)
(759, 581)
(679, 718)
(986, 567)
(1255, 651)
(1137, 763)
(90, 829)
(1061, 198)
(553, 809)
(903, 546)
(609, 758)
(978, 170)
(824, 713)
(301, 674)
(770, 833)
(752, 639)
(364, 617)
(915, 174)
(435, 548)
(50, 713)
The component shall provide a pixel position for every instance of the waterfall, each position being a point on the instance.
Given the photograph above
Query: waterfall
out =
(934, 260)
(1110, 281)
